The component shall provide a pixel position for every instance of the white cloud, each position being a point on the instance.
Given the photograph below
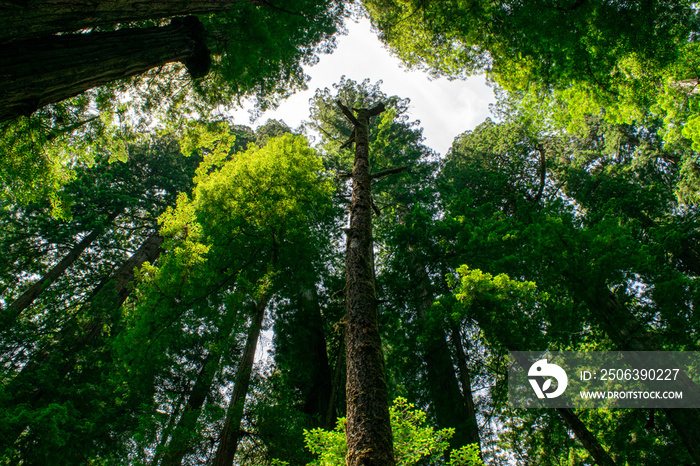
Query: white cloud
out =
(445, 108)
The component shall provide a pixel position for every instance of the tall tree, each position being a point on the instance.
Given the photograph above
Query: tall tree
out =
(368, 429)
(43, 17)
(240, 230)
(79, 62)
(231, 432)
(492, 184)
(309, 26)
(97, 67)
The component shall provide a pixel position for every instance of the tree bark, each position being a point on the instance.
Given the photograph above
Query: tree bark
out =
(41, 71)
(573, 422)
(39, 377)
(368, 428)
(301, 348)
(470, 423)
(33, 18)
(451, 406)
(27, 298)
(628, 334)
(318, 393)
(329, 421)
(181, 442)
(228, 442)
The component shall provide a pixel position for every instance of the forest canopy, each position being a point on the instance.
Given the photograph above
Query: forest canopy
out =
(180, 289)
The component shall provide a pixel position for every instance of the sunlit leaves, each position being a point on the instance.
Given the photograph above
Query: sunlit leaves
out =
(414, 441)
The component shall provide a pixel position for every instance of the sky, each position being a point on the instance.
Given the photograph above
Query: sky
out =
(444, 108)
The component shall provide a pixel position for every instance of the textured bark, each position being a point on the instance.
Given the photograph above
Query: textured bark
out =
(317, 403)
(41, 71)
(182, 441)
(368, 429)
(471, 425)
(228, 441)
(32, 18)
(450, 406)
(588, 440)
(573, 422)
(311, 374)
(27, 298)
(628, 334)
(40, 376)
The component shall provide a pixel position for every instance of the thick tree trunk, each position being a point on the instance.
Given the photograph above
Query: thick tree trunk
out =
(450, 405)
(470, 424)
(302, 348)
(368, 428)
(27, 298)
(33, 18)
(182, 441)
(573, 422)
(49, 69)
(587, 439)
(629, 335)
(228, 442)
(329, 421)
(40, 376)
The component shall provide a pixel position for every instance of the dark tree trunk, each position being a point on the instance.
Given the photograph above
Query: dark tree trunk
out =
(450, 406)
(573, 422)
(41, 71)
(230, 435)
(27, 298)
(33, 18)
(301, 347)
(470, 423)
(33, 386)
(368, 428)
(628, 334)
(182, 441)
(329, 421)
(318, 393)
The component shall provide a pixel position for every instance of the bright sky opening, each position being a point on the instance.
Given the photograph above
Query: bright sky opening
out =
(445, 108)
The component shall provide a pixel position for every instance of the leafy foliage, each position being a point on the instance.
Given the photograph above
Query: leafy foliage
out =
(414, 441)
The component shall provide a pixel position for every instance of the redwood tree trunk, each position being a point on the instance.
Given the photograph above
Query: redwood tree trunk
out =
(450, 406)
(368, 428)
(228, 442)
(301, 349)
(32, 18)
(628, 334)
(471, 425)
(27, 298)
(49, 367)
(49, 69)
(182, 441)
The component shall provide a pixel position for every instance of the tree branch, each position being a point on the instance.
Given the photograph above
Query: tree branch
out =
(377, 109)
(390, 171)
(348, 114)
(349, 141)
